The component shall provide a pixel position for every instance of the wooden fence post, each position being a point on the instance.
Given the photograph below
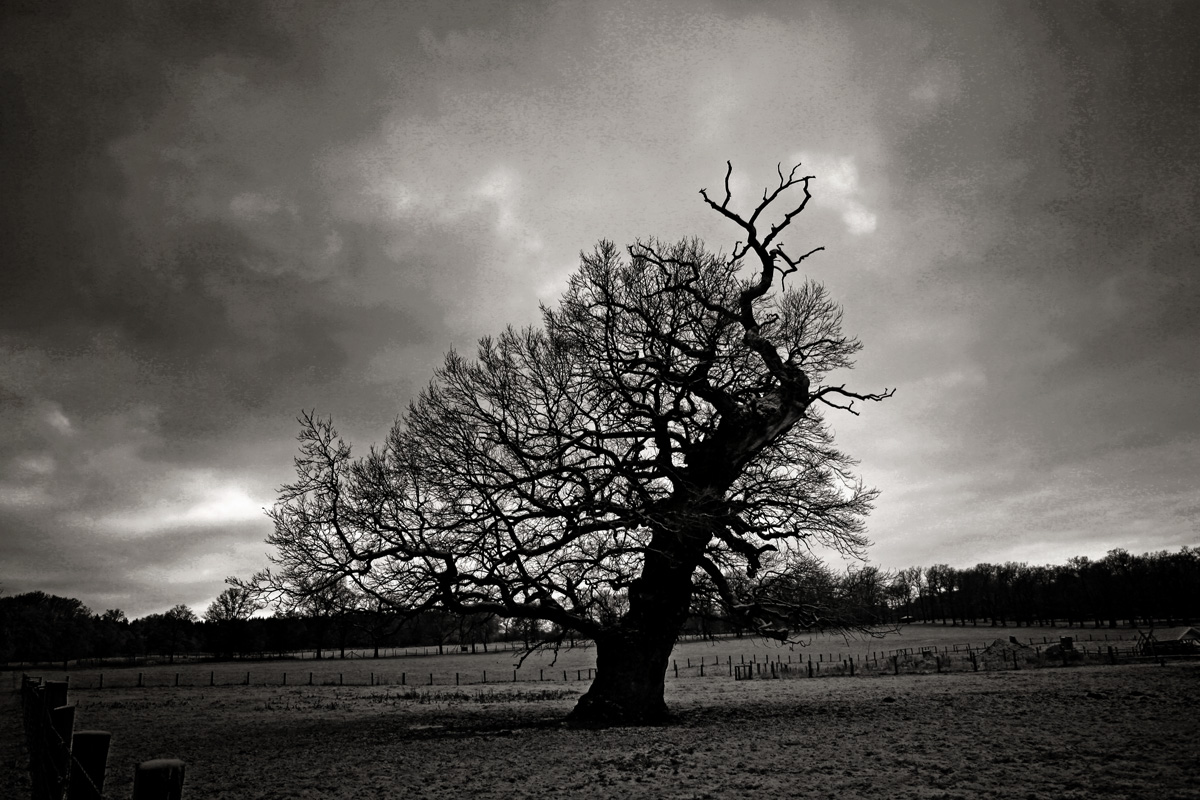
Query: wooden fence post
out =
(89, 750)
(56, 694)
(159, 779)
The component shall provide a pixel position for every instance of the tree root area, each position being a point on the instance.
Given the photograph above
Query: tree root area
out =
(1124, 731)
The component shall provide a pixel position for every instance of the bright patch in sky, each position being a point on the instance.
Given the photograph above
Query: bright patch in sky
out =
(837, 187)
(204, 505)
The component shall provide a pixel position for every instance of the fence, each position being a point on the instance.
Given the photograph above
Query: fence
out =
(1013, 656)
(1000, 655)
(328, 655)
(71, 764)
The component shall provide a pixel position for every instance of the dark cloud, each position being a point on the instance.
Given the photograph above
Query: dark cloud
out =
(219, 214)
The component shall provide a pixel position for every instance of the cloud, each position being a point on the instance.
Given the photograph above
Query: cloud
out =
(837, 187)
(220, 216)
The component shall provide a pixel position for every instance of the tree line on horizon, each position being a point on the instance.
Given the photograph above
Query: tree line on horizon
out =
(1156, 588)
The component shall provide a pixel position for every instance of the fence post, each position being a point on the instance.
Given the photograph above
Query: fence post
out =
(896, 664)
(159, 779)
(90, 757)
(56, 694)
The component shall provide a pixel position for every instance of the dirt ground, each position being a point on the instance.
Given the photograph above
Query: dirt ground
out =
(1116, 731)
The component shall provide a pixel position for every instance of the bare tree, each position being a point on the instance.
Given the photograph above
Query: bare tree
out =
(233, 604)
(227, 617)
(661, 430)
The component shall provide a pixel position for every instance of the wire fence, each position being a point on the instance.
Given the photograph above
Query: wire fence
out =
(1001, 654)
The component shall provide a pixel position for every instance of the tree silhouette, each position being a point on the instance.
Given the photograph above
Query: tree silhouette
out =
(661, 431)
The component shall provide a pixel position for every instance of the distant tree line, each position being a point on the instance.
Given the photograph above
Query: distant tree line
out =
(1121, 588)
(1154, 588)
(40, 627)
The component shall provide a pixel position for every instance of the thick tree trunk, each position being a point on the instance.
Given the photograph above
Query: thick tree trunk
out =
(631, 669)
(632, 657)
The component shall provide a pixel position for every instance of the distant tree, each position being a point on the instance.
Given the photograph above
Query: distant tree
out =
(36, 626)
(661, 430)
(231, 605)
(169, 633)
(111, 633)
(227, 617)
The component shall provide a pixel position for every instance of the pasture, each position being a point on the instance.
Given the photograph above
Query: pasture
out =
(424, 667)
(1120, 731)
(1123, 731)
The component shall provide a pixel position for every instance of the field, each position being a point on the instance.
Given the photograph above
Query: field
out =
(1116, 731)
(569, 665)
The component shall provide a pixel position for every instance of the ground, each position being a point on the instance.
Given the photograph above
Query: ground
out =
(1116, 731)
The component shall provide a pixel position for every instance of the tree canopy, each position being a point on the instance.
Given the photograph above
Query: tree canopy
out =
(658, 437)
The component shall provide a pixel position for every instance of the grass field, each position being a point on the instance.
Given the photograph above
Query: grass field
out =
(569, 665)
(1068, 732)
(1116, 731)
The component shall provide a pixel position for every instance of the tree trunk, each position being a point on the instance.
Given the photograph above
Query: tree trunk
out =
(632, 657)
(631, 669)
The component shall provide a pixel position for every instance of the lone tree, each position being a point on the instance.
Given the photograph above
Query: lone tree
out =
(658, 437)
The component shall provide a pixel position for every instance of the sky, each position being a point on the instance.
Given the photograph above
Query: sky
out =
(218, 215)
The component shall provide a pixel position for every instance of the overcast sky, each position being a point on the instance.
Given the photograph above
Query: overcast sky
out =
(218, 215)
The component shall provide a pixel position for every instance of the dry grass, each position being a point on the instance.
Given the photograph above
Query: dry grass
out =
(569, 666)
(1124, 731)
